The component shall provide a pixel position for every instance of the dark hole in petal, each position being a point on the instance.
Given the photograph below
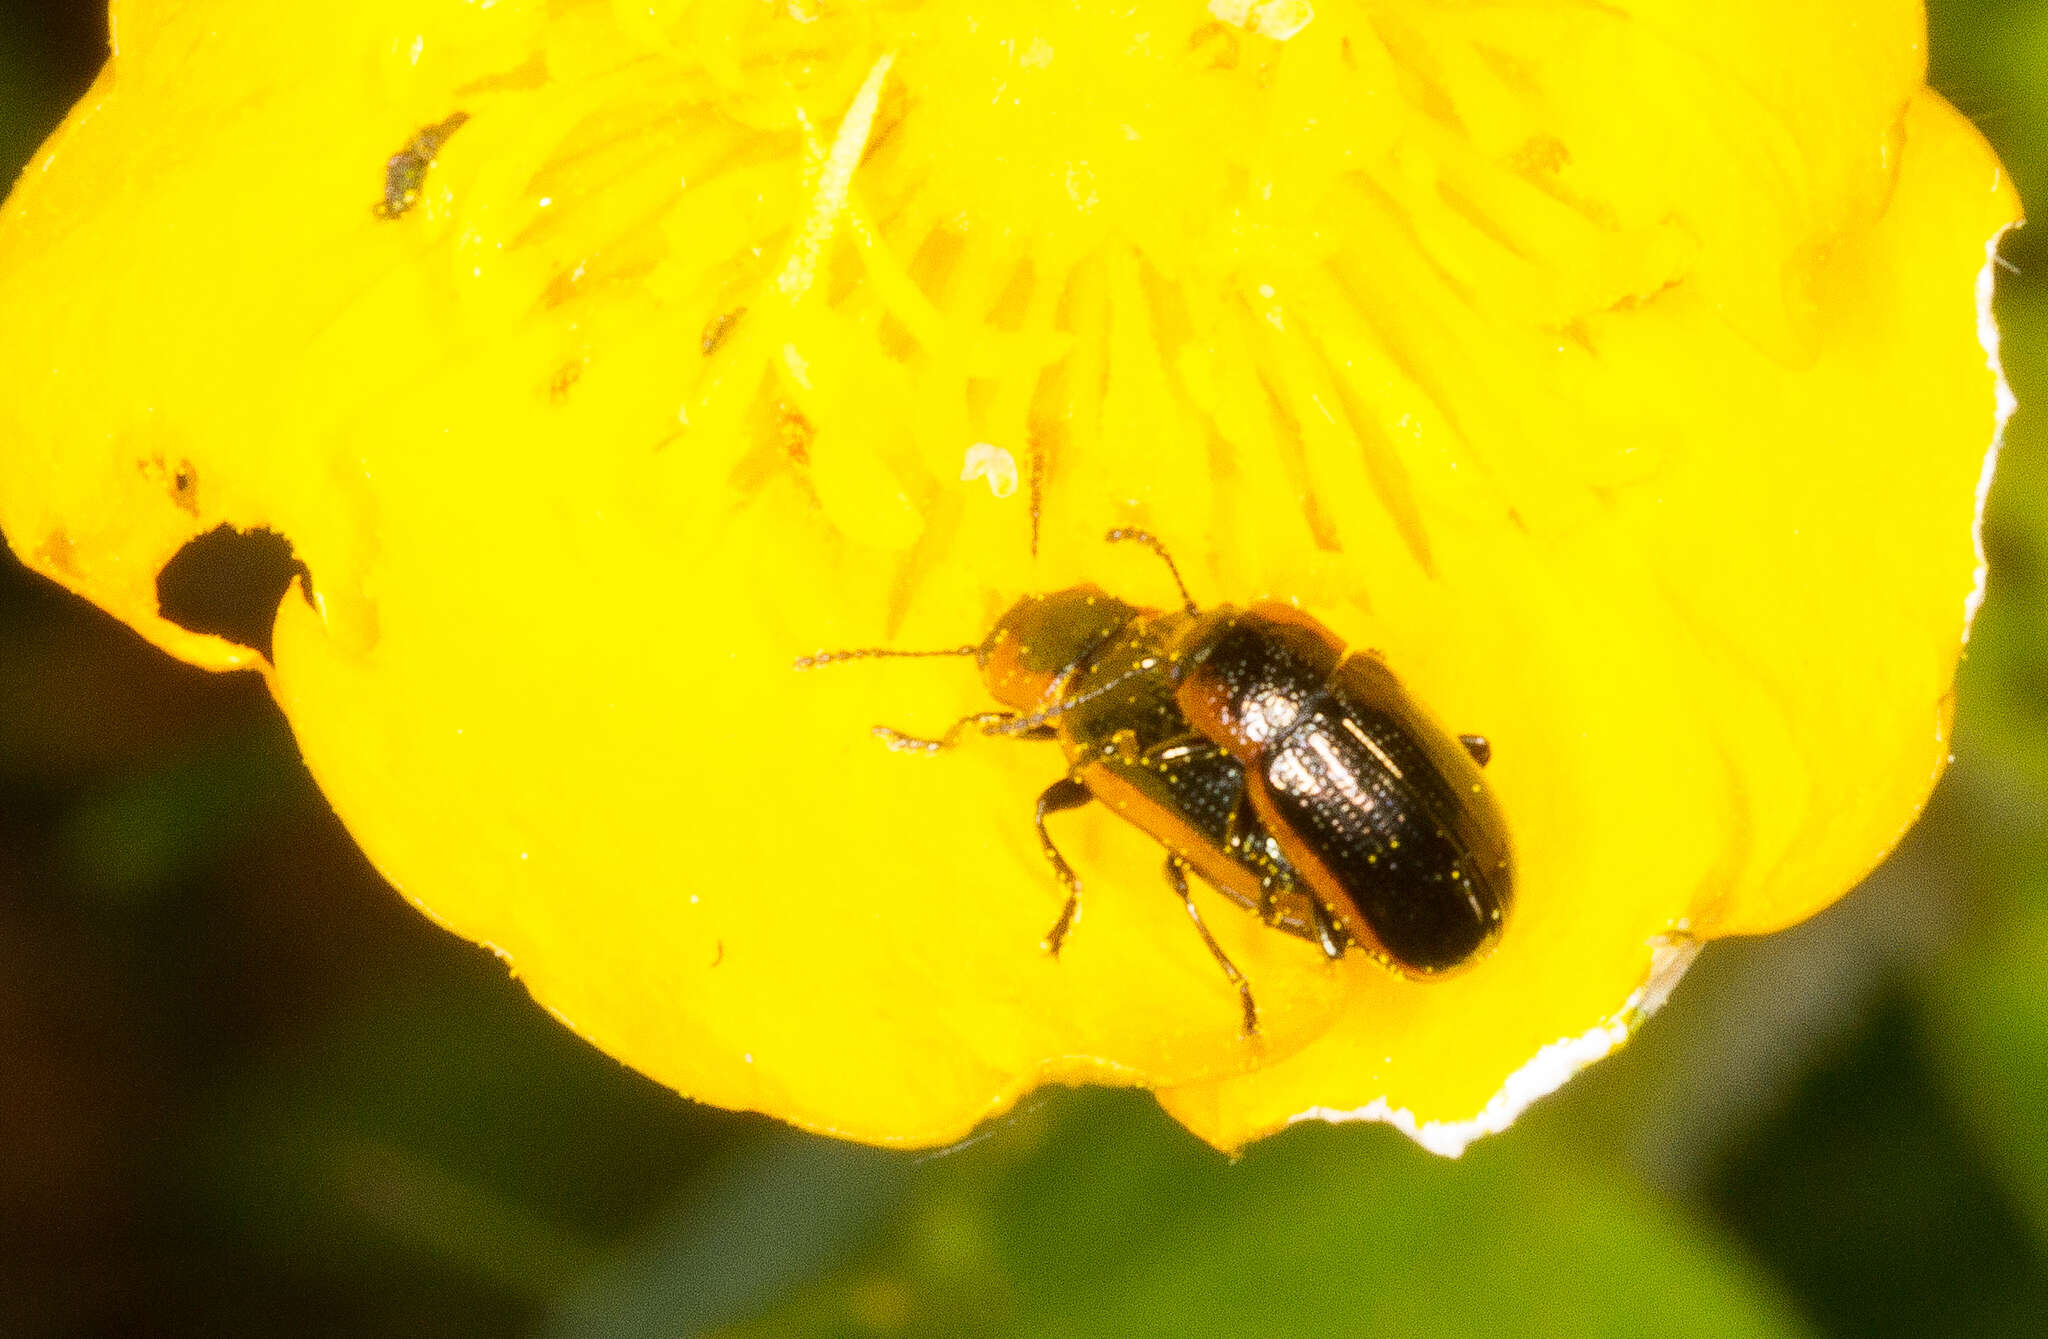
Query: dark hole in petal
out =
(229, 582)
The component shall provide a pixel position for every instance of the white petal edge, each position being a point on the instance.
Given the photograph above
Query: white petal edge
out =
(1544, 1073)
(1987, 336)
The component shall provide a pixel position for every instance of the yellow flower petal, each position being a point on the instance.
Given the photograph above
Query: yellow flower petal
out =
(1615, 373)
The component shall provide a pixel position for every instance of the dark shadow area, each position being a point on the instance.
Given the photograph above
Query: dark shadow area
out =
(49, 52)
(247, 1089)
(67, 38)
(1868, 1200)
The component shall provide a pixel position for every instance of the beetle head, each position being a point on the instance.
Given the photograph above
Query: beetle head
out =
(1042, 638)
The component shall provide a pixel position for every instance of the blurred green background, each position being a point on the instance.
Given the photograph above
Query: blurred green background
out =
(246, 1090)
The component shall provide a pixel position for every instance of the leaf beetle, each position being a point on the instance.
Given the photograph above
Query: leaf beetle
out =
(1301, 782)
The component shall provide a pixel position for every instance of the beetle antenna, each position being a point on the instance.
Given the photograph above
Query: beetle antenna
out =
(877, 653)
(1151, 541)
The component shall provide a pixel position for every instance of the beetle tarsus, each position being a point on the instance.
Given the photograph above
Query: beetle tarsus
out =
(986, 721)
(1065, 793)
(1177, 879)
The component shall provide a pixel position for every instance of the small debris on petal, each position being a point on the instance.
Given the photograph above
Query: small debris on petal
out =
(1275, 19)
(986, 461)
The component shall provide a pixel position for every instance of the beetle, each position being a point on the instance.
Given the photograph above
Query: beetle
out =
(1301, 782)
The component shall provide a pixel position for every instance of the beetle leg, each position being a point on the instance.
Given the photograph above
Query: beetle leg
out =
(1235, 838)
(1065, 793)
(986, 721)
(1478, 747)
(1331, 936)
(1177, 879)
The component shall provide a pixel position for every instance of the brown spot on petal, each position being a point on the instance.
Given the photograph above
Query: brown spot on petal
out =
(56, 552)
(532, 73)
(717, 328)
(179, 479)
